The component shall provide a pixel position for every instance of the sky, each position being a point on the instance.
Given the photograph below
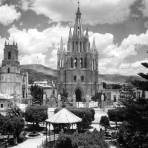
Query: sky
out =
(120, 29)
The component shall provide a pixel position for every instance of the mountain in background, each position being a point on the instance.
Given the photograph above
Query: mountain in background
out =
(39, 72)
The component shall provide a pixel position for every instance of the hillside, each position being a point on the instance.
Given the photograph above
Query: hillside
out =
(41, 69)
(116, 78)
(40, 72)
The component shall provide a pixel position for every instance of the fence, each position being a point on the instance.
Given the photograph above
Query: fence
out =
(91, 104)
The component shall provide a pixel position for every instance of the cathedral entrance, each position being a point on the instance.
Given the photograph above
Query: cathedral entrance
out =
(78, 94)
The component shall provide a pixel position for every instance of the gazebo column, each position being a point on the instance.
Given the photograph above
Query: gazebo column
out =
(46, 133)
(54, 134)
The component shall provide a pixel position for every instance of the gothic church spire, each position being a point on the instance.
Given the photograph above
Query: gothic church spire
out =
(61, 44)
(78, 31)
(70, 33)
(94, 45)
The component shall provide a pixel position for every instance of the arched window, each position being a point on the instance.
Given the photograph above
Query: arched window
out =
(62, 62)
(75, 78)
(93, 64)
(59, 63)
(82, 78)
(85, 62)
(81, 62)
(9, 55)
(73, 46)
(80, 47)
(77, 46)
(75, 62)
(8, 70)
(71, 62)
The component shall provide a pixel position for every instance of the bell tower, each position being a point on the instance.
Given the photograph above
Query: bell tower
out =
(10, 63)
(10, 76)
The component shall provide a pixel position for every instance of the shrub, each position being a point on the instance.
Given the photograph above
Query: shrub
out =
(64, 142)
(2, 120)
(116, 115)
(87, 140)
(104, 121)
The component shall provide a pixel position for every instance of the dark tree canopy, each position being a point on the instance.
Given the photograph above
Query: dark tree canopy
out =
(12, 123)
(145, 76)
(142, 85)
(104, 121)
(64, 95)
(145, 64)
(2, 120)
(36, 114)
(116, 115)
(37, 94)
(133, 132)
(97, 97)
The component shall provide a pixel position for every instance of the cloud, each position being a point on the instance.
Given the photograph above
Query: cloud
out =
(8, 14)
(144, 8)
(2, 41)
(95, 11)
(39, 46)
(34, 41)
(35, 58)
(114, 55)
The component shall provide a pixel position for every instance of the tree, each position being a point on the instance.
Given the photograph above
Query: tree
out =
(37, 94)
(12, 123)
(36, 114)
(64, 96)
(14, 111)
(2, 119)
(97, 97)
(104, 122)
(143, 75)
(142, 85)
(133, 132)
(116, 115)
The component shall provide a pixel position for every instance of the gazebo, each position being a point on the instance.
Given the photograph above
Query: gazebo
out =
(61, 118)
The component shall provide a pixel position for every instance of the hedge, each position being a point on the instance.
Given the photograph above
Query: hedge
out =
(93, 139)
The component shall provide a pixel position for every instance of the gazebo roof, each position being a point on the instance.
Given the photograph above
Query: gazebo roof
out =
(64, 116)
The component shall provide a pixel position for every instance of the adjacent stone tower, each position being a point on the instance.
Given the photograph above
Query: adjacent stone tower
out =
(12, 82)
(78, 65)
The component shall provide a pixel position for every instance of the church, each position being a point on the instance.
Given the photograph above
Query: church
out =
(12, 81)
(78, 65)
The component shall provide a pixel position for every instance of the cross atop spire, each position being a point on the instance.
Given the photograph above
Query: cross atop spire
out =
(78, 32)
(78, 10)
(78, 3)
